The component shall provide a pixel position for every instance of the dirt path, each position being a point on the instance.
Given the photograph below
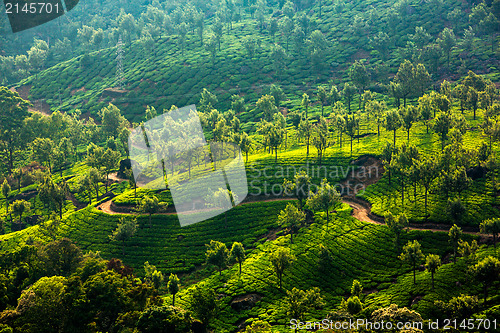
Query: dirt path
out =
(372, 171)
(358, 211)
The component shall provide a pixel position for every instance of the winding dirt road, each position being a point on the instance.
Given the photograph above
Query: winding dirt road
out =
(360, 209)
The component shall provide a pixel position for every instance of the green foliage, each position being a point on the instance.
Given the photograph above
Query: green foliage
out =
(281, 259)
(173, 286)
(164, 319)
(299, 302)
(412, 254)
(291, 217)
(217, 254)
(487, 272)
(204, 305)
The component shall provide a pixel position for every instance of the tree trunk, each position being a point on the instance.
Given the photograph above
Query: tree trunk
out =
(402, 191)
(351, 146)
(426, 190)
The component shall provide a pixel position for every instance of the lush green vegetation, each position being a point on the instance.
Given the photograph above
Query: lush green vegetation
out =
(392, 108)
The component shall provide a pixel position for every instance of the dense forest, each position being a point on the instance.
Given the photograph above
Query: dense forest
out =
(370, 133)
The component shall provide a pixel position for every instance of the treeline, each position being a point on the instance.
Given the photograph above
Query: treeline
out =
(204, 25)
(56, 286)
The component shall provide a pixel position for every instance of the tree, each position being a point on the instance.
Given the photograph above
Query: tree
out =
(207, 101)
(412, 254)
(149, 205)
(462, 306)
(275, 138)
(392, 122)
(281, 259)
(131, 180)
(487, 271)
(299, 187)
(18, 174)
(455, 235)
(367, 97)
(221, 199)
(442, 125)
(292, 218)
(348, 94)
(204, 304)
(422, 79)
(273, 28)
(359, 76)
(455, 207)
(427, 171)
(237, 253)
(277, 93)
(447, 41)
(351, 126)
(324, 199)
(152, 275)
(164, 319)
(405, 77)
(266, 104)
(305, 131)
(377, 110)
(381, 42)
(472, 100)
(124, 231)
(245, 144)
(211, 46)
(305, 103)
(278, 57)
(218, 31)
(250, 44)
(432, 263)
(397, 224)
(491, 226)
(426, 109)
(57, 194)
(173, 286)
(6, 193)
(409, 115)
(322, 98)
(112, 120)
(320, 137)
(356, 288)
(258, 326)
(19, 207)
(110, 161)
(40, 304)
(42, 151)
(468, 251)
(387, 155)
(299, 302)
(286, 27)
(217, 254)
(60, 257)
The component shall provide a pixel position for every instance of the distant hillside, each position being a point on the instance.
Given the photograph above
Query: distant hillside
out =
(159, 73)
